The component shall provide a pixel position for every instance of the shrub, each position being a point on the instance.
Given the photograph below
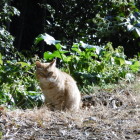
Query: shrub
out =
(18, 84)
(90, 64)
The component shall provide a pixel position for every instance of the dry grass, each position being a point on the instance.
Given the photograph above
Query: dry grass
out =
(109, 114)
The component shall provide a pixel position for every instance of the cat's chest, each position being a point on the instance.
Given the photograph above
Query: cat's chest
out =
(51, 85)
(47, 81)
(53, 92)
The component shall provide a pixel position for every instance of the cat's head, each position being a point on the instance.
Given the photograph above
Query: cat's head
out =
(46, 71)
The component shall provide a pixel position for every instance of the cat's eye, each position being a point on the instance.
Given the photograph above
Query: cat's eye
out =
(49, 74)
(41, 74)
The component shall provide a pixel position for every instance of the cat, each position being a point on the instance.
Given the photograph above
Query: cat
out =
(59, 88)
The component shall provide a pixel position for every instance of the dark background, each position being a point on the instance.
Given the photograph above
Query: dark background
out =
(72, 17)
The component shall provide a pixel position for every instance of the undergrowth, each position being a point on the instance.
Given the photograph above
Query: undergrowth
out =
(90, 66)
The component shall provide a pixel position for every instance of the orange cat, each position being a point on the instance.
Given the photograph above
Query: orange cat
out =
(59, 88)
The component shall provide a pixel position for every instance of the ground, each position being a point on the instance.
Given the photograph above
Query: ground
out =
(107, 114)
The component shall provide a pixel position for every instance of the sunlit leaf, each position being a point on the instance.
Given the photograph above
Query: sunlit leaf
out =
(58, 46)
(135, 66)
(1, 61)
(130, 27)
(23, 64)
(128, 62)
(55, 54)
(138, 31)
(47, 38)
(98, 49)
(119, 60)
(67, 59)
(76, 50)
(48, 56)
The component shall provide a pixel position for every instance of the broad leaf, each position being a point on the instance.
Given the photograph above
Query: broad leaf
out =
(48, 55)
(136, 66)
(47, 38)
(55, 54)
(120, 61)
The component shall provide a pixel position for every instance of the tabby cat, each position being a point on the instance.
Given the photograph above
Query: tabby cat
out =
(59, 88)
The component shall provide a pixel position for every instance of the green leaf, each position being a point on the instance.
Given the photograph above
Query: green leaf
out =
(136, 66)
(119, 60)
(100, 67)
(67, 59)
(56, 54)
(76, 48)
(38, 39)
(48, 55)
(58, 46)
(1, 61)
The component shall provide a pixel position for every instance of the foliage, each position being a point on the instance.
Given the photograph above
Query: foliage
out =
(6, 39)
(18, 85)
(119, 24)
(97, 21)
(90, 64)
(101, 21)
(1, 135)
(98, 17)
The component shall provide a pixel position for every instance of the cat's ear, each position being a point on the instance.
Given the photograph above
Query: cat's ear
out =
(53, 63)
(38, 64)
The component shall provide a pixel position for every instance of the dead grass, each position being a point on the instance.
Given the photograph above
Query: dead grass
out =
(108, 114)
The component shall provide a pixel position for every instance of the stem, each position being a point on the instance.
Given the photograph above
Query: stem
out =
(63, 60)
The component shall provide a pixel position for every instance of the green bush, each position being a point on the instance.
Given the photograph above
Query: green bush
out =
(18, 84)
(90, 64)
(102, 21)
(6, 39)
